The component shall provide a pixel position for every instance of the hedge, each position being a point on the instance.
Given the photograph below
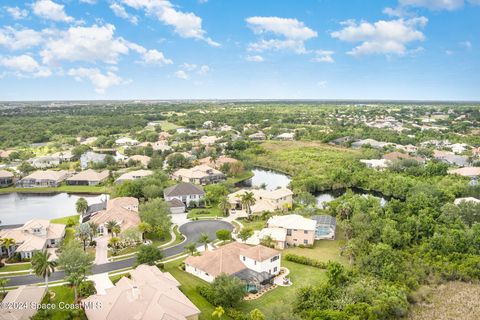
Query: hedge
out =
(305, 260)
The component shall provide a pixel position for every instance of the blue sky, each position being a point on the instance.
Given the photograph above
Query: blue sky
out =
(238, 49)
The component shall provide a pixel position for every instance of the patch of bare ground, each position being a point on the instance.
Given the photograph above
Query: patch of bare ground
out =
(450, 301)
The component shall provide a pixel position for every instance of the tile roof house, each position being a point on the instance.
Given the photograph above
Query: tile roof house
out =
(450, 158)
(150, 294)
(249, 263)
(208, 140)
(176, 206)
(265, 200)
(378, 164)
(123, 210)
(36, 234)
(300, 230)
(161, 145)
(134, 175)
(88, 177)
(47, 178)
(218, 163)
(185, 192)
(370, 142)
(471, 172)
(278, 235)
(287, 136)
(125, 141)
(21, 296)
(143, 160)
(45, 162)
(258, 136)
(6, 178)
(201, 174)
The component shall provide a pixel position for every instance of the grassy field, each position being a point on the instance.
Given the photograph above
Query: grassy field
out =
(63, 294)
(16, 267)
(204, 213)
(453, 300)
(65, 220)
(254, 224)
(323, 250)
(67, 189)
(166, 126)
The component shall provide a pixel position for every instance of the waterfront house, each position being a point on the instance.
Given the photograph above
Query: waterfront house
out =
(217, 163)
(6, 178)
(91, 157)
(265, 200)
(44, 162)
(148, 294)
(123, 210)
(36, 234)
(88, 177)
(300, 230)
(47, 178)
(201, 174)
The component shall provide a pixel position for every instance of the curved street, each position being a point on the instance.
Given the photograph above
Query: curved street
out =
(190, 230)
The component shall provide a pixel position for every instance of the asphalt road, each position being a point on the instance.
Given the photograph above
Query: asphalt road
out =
(190, 230)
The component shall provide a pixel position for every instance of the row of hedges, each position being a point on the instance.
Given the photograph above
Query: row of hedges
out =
(306, 261)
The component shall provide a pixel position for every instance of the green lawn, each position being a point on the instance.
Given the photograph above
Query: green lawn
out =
(64, 188)
(253, 224)
(16, 267)
(63, 294)
(241, 177)
(65, 220)
(155, 241)
(204, 213)
(69, 235)
(323, 250)
(166, 126)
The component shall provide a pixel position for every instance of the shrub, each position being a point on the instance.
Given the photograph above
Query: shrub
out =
(305, 260)
(87, 288)
(206, 292)
(236, 314)
(93, 243)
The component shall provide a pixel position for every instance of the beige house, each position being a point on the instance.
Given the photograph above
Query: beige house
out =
(134, 175)
(144, 160)
(218, 163)
(150, 294)
(88, 177)
(252, 264)
(6, 178)
(47, 178)
(299, 230)
(471, 172)
(278, 235)
(208, 140)
(201, 174)
(123, 210)
(161, 145)
(36, 234)
(265, 200)
(21, 296)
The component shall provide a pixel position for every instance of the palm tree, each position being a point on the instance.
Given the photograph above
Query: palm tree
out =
(116, 230)
(218, 312)
(94, 228)
(42, 266)
(110, 225)
(75, 280)
(8, 242)
(267, 241)
(224, 205)
(84, 232)
(191, 248)
(248, 200)
(144, 227)
(3, 283)
(81, 205)
(114, 241)
(205, 240)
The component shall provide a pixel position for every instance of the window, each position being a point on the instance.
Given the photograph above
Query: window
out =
(305, 231)
(305, 241)
(243, 258)
(275, 258)
(275, 269)
(255, 262)
(289, 232)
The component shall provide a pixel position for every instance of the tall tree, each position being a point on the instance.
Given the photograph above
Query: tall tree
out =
(245, 233)
(225, 206)
(81, 205)
(205, 240)
(148, 254)
(144, 228)
(110, 225)
(42, 265)
(156, 213)
(248, 200)
(84, 233)
(191, 248)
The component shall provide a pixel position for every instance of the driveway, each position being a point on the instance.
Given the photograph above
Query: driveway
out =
(101, 250)
(102, 282)
(190, 230)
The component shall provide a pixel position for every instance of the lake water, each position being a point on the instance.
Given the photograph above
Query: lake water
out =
(18, 208)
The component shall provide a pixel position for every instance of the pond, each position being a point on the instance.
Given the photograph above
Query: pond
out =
(269, 178)
(323, 198)
(18, 208)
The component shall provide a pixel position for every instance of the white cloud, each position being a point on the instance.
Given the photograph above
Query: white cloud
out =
(101, 81)
(89, 1)
(382, 37)
(466, 44)
(19, 39)
(434, 4)
(155, 57)
(204, 69)
(324, 56)
(322, 84)
(120, 11)
(24, 65)
(191, 67)
(255, 58)
(292, 33)
(185, 24)
(95, 43)
(16, 12)
(50, 10)
(181, 75)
